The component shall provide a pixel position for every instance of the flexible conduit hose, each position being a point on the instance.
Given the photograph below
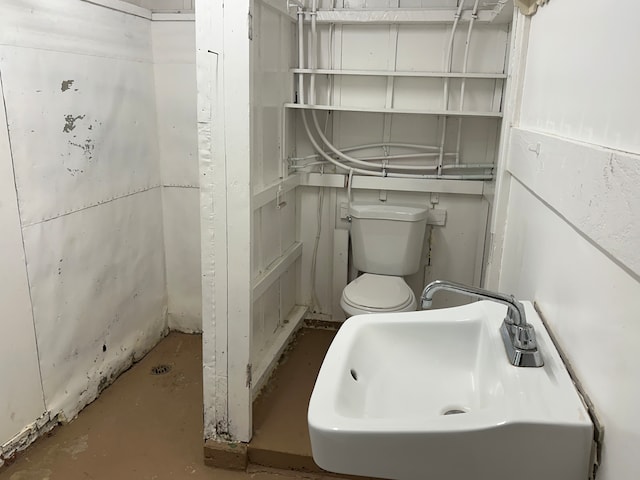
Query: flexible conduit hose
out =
(366, 165)
(447, 69)
(374, 173)
(465, 62)
(300, 54)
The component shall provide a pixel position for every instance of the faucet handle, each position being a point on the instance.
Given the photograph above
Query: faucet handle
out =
(524, 337)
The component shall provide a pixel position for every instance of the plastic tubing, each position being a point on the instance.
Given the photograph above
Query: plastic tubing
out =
(300, 54)
(465, 166)
(363, 171)
(314, 52)
(376, 145)
(390, 144)
(325, 140)
(357, 161)
(376, 173)
(474, 15)
(367, 165)
(447, 69)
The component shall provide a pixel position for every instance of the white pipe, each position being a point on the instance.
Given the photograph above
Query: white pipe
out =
(376, 145)
(474, 16)
(381, 174)
(357, 161)
(382, 157)
(401, 156)
(383, 166)
(331, 78)
(316, 307)
(300, 54)
(314, 52)
(464, 166)
(479, 166)
(307, 165)
(390, 144)
(446, 82)
(301, 100)
(449, 58)
(349, 186)
(327, 157)
(473, 166)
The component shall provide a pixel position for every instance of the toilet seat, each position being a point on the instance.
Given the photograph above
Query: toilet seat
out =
(371, 293)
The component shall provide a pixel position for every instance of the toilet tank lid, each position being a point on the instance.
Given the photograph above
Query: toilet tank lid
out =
(403, 213)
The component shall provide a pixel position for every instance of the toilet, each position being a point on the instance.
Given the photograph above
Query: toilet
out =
(386, 242)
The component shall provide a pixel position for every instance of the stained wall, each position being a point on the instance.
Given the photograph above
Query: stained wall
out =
(82, 204)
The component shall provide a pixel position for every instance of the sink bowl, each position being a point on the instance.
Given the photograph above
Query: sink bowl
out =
(432, 395)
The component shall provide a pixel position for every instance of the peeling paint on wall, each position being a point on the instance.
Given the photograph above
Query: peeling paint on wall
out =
(66, 85)
(27, 436)
(106, 141)
(88, 188)
(70, 122)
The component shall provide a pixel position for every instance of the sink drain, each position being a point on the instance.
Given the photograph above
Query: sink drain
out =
(160, 369)
(454, 411)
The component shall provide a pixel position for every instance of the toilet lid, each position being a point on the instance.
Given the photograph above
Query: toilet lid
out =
(380, 292)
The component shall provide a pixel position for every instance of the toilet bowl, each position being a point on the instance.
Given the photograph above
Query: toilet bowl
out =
(371, 293)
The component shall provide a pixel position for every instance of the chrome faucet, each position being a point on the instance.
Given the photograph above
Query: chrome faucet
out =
(518, 336)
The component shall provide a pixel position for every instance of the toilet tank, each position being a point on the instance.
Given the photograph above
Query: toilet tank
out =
(387, 239)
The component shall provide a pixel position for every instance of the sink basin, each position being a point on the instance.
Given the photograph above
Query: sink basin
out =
(432, 395)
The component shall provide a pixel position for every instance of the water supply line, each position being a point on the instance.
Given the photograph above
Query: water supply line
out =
(368, 146)
(381, 169)
(314, 52)
(375, 173)
(465, 62)
(315, 303)
(447, 69)
(357, 161)
(300, 14)
(425, 154)
(349, 186)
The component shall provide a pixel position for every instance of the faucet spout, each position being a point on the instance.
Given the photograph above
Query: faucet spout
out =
(515, 310)
(518, 336)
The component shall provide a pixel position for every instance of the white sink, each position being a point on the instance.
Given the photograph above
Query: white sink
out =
(387, 400)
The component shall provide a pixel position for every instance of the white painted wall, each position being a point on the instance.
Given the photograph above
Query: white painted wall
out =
(175, 93)
(244, 138)
(572, 225)
(165, 6)
(21, 401)
(82, 124)
(274, 225)
(455, 250)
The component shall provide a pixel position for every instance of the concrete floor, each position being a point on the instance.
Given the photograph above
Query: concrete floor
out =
(280, 432)
(142, 427)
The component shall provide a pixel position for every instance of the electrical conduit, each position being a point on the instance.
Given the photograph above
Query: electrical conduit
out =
(367, 165)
